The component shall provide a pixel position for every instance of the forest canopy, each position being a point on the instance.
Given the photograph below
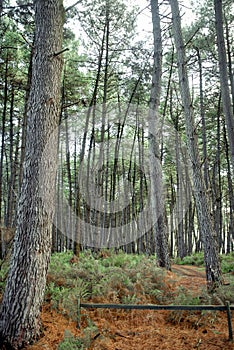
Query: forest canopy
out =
(106, 82)
(115, 133)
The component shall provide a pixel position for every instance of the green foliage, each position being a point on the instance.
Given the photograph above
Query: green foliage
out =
(60, 261)
(129, 299)
(225, 292)
(74, 343)
(121, 259)
(185, 297)
(64, 286)
(196, 259)
(3, 274)
(120, 277)
(123, 278)
(227, 263)
(70, 342)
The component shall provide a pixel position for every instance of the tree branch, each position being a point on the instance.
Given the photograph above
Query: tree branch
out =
(60, 52)
(70, 7)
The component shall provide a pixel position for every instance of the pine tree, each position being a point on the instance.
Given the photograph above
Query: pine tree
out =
(20, 309)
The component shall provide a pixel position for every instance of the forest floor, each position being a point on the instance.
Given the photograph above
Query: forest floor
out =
(143, 329)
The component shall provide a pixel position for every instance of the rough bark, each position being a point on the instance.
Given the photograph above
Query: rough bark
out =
(212, 262)
(157, 201)
(20, 311)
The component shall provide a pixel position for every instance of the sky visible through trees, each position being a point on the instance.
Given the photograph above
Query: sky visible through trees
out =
(109, 64)
(144, 20)
(118, 136)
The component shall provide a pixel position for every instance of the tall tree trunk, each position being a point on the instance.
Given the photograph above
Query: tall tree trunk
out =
(230, 61)
(202, 111)
(3, 138)
(14, 144)
(217, 185)
(224, 81)
(230, 195)
(24, 124)
(212, 262)
(157, 201)
(23, 297)
(90, 113)
(181, 247)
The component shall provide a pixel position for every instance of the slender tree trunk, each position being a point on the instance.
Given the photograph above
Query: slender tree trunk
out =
(172, 204)
(81, 170)
(103, 158)
(217, 185)
(23, 297)
(13, 159)
(230, 228)
(15, 173)
(3, 139)
(212, 262)
(202, 111)
(24, 126)
(181, 248)
(157, 200)
(224, 81)
(230, 61)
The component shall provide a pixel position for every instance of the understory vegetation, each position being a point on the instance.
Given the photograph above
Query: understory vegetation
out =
(114, 276)
(117, 277)
(227, 261)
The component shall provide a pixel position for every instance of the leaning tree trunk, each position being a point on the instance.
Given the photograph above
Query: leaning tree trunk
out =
(212, 262)
(157, 201)
(23, 297)
(223, 73)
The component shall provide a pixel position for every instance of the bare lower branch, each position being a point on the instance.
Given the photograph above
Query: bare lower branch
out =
(60, 52)
(70, 7)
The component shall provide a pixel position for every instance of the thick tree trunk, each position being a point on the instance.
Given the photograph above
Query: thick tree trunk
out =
(212, 263)
(157, 201)
(20, 311)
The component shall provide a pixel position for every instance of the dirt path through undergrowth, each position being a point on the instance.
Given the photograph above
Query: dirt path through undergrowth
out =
(190, 277)
(189, 270)
(143, 329)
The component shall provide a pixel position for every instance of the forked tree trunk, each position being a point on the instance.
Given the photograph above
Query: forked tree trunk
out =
(23, 297)
(212, 262)
(157, 200)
